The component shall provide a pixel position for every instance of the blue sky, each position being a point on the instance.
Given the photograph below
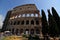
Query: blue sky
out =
(6, 5)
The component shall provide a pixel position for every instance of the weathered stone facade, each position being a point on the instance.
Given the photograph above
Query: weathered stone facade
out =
(24, 19)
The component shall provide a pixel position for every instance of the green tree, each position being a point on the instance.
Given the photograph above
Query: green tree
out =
(36, 37)
(30, 37)
(0, 30)
(44, 23)
(53, 29)
(56, 17)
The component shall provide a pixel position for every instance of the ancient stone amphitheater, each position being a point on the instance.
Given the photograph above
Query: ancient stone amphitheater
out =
(24, 19)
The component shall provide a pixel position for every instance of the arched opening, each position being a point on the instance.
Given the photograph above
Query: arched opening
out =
(17, 30)
(27, 22)
(22, 22)
(13, 31)
(27, 31)
(32, 31)
(21, 31)
(18, 22)
(32, 22)
(37, 22)
(37, 31)
(14, 22)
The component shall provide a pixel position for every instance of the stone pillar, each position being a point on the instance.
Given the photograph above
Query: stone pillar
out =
(29, 31)
(38, 14)
(25, 15)
(34, 22)
(11, 31)
(24, 22)
(21, 15)
(29, 22)
(18, 32)
(23, 31)
(14, 31)
(35, 31)
(34, 15)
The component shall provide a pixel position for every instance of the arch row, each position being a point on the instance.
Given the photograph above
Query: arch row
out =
(24, 22)
(24, 31)
(24, 15)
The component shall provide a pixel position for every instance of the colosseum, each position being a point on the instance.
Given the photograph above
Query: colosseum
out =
(24, 19)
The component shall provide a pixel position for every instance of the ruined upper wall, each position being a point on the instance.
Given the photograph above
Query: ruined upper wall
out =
(27, 8)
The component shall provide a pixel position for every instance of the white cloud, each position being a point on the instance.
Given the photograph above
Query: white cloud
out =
(1, 20)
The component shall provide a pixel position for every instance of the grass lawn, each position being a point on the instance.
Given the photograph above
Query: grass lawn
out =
(13, 38)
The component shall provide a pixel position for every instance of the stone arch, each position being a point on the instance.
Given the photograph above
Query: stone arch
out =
(37, 22)
(37, 31)
(13, 31)
(27, 31)
(22, 22)
(32, 22)
(18, 22)
(27, 22)
(21, 31)
(17, 30)
(32, 31)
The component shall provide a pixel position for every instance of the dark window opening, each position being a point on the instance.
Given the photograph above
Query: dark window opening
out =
(27, 29)
(32, 31)
(14, 22)
(27, 22)
(37, 31)
(13, 31)
(18, 22)
(21, 31)
(22, 22)
(37, 22)
(32, 22)
(16, 31)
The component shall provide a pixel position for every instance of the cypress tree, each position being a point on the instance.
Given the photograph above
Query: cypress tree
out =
(0, 30)
(56, 17)
(53, 29)
(44, 23)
